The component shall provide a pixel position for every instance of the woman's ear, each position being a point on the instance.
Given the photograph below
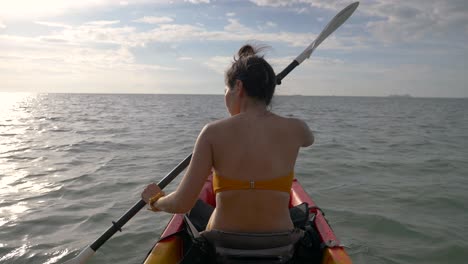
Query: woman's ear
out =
(240, 87)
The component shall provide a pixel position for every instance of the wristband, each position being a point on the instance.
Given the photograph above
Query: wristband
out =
(153, 199)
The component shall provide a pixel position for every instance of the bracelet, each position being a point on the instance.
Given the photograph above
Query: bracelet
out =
(153, 199)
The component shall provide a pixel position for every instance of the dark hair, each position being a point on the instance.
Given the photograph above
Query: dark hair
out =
(254, 71)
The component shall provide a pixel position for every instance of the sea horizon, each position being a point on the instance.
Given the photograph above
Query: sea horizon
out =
(394, 96)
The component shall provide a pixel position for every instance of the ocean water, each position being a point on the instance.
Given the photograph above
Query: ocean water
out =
(391, 174)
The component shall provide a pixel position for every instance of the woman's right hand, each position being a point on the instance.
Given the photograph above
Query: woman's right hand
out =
(151, 194)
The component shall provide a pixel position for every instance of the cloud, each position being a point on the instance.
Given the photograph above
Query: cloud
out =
(66, 54)
(280, 63)
(230, 14)
(27, 9)
(112, 32)
(272, 3)
(2, 25)
(58, 67)
(95, 32)
(198, 1)
(410, 21)
(35, 51)
(399, 20)
(154, 20)
(52, 24)
(235, 26)
(103, 22)
(218, 64)
(168, 33)
(271, 24)
(24, 9)
(329, 4)
(267, 26)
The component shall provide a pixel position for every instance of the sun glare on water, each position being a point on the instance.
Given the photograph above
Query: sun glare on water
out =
(10, 100)
(10, 114)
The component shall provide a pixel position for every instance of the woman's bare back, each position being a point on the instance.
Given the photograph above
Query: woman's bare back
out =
(254, 147)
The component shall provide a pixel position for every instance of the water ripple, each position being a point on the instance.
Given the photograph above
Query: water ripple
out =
(389, 173)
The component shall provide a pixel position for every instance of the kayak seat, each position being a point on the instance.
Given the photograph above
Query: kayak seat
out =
(231, 247)
(200, 214)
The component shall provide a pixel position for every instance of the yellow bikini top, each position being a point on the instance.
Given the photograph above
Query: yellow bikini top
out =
(282, 184)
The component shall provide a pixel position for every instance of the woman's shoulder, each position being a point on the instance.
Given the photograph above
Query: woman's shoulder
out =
(219, 123)
(215, 131)
(214, 127)
(300, 130)
(289, 122)
(293, 122)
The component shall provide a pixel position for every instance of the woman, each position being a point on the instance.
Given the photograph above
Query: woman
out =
(252, 155)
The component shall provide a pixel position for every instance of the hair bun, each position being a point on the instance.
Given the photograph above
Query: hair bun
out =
(246, 50)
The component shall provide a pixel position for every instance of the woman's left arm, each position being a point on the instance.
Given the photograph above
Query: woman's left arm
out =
(186, 194)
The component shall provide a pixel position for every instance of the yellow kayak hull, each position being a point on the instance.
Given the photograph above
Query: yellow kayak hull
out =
(170, 250)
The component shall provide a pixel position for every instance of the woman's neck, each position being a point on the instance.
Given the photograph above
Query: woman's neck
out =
(251, 106)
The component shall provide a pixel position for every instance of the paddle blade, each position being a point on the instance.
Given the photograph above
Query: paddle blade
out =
(82, 257)
(335, 23)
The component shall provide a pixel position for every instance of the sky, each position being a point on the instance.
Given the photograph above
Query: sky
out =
(416, 47)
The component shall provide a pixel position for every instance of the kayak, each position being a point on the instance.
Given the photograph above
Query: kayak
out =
(169, 249)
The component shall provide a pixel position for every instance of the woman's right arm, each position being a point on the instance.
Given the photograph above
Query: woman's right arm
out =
(305, 134)
(186, 194)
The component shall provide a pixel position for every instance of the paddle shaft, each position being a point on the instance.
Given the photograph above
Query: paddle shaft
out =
(117, 226)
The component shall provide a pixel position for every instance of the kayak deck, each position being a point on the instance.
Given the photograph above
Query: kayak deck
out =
(170, 250)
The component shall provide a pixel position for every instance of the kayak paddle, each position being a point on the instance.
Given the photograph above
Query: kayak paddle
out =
(117, 226)
(84, 255)
(335, 23)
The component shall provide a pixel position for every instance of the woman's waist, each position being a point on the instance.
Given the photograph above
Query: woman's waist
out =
(251, 220)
